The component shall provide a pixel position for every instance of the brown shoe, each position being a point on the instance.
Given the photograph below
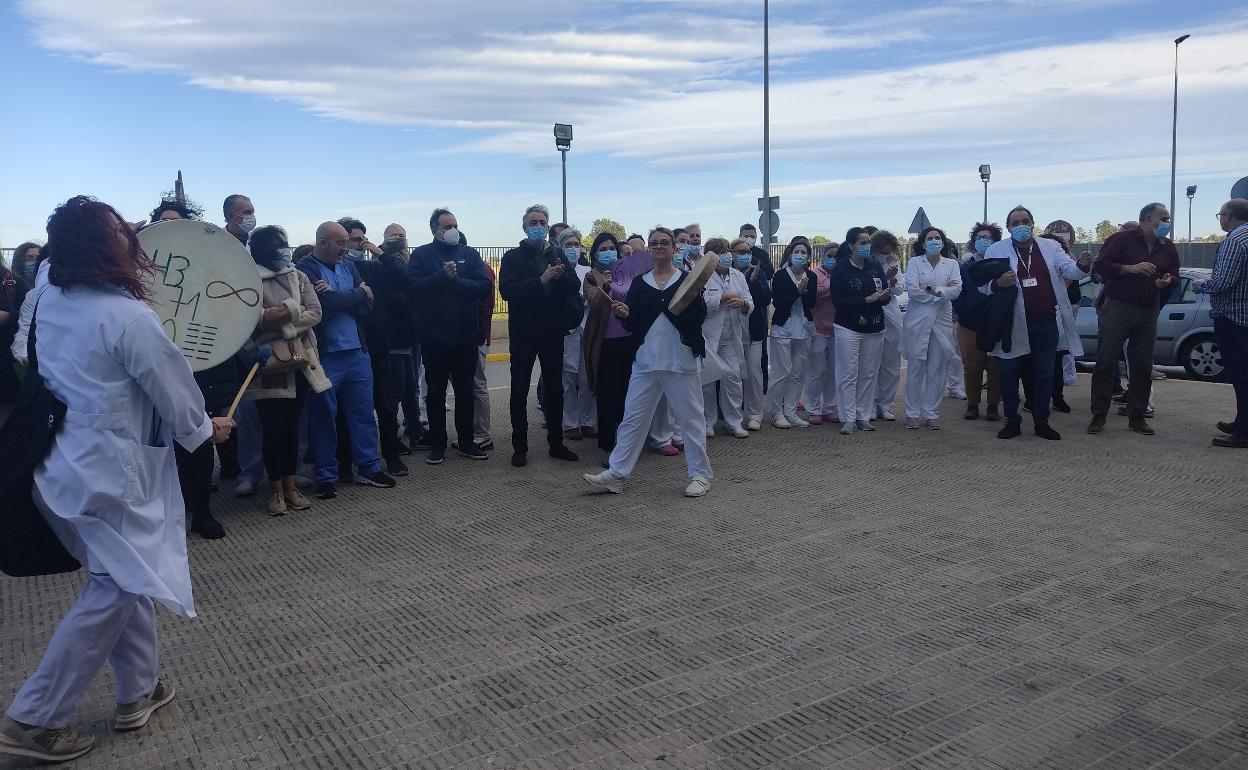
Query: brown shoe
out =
(1097, 426)
(1140, 425)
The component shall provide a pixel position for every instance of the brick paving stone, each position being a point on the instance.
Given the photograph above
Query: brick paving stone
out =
(1043, 605)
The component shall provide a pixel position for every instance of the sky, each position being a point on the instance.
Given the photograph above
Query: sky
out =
(384, 109)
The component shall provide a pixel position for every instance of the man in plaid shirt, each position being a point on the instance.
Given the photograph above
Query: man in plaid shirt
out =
(1228, 305)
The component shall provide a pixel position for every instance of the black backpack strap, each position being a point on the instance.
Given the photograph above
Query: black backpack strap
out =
(32, 360)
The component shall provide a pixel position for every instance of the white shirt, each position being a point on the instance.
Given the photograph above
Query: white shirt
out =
(662, 350)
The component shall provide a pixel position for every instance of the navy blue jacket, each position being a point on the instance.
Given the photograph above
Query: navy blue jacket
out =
(849, 287)
(447, 309)
(784, 294)
(760, 292)
(353, 301)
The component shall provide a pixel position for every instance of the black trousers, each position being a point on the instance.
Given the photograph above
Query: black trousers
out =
(549, 353)
(385, 404)
(195, 475)
(615, 368)
(279, 425)
(458, 365)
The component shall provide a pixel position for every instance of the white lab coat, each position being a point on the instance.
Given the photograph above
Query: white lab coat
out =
(927, 313)
(1060, 266)
(718, 316)
(109, 486)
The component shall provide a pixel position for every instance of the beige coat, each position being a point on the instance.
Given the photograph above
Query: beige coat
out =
(291, 309)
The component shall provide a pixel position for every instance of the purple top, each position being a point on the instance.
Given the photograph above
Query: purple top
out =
(623, 272)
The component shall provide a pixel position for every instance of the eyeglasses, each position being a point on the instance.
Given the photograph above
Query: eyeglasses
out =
(1221, 214)
(663, 244)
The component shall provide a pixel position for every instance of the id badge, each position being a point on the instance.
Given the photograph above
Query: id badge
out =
(1030, 283)
(878, 285)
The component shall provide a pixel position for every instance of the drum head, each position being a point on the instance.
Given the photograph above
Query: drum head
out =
(206, 289)
(693, 283)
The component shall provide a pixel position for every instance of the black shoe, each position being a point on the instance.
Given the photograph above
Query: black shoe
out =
(1027, 406)
(207, 527)
(972, 412)
(1227, 427)
(1120, 398)
(403, 449)
(992, 414)
(346, 474)
(1231, 441)
(486, 446)
(435, 456)
(563, 453)
(213, 486)
(377, 479)
(1122, 412)
(396, 467)
(1044, 431)
(473, 452)
(1013, 428)
(519, 458)
(326, 490)
(421, 441)
(1060, 405)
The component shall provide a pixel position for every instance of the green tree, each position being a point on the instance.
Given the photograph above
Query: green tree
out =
(819, 240)
(604, 225)
(1104, 229)
(1083, 235)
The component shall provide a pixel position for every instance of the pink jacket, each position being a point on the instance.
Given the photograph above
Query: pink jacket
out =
(825, 311)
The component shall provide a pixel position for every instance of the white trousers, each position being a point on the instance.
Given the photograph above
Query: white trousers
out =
(579, 407)
(926, 380)
(104, 624)
(1070, 375)
(752, 378)
(646, 391)
(731, 392)
(857, 363)
(788, 369)
(955, 372)
(662, 425)
(888, 377)
(821, 383)
(481, 392)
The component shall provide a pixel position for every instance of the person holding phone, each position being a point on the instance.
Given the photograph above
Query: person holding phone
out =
(859, 289)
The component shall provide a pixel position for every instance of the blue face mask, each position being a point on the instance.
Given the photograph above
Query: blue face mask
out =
(1162, 229)
(743, 261)
(571, 254)
(863, 250)
(1020, 233)
(607, 258)
(829, 263)
(933, 247)
(725, 260)
(981, 245)
(799, 260)
(537, 233)
(355, 255)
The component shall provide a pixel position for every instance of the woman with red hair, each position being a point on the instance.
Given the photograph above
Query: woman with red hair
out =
(108, 487)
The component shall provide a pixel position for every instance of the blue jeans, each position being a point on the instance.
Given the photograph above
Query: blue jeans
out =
(351, 375)
(1042, 335)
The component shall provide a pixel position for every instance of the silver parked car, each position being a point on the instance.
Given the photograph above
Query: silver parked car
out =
(1184, 328)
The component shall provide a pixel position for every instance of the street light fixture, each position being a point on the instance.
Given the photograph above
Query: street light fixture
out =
(1174, 124)
(1191, 193)
(985, 171)
(563, 143)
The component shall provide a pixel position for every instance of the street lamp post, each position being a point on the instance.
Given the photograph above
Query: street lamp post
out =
(563, 143)
(1191, 193)
(1174, 123)
(766, 235)
(985, 171)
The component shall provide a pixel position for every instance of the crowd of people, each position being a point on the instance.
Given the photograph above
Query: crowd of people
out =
(629, 355)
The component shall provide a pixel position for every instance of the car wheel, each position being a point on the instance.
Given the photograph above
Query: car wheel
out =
(1201, 358)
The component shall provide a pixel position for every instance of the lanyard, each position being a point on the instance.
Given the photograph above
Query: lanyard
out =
(1026, 265)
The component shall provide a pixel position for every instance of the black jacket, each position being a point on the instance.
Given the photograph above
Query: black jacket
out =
(12, 292)
(645, 303)
(447, 309)
(536, 311)
(849, 287)
(993, 320)
(760, 292)
(784, 294)
(386, 278)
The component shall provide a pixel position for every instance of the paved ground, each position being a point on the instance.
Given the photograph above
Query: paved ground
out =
(896, 599)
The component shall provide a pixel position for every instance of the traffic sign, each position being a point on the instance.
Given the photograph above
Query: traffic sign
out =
(775, 203)
(769, 228)
(1240, 190)
(920, 222)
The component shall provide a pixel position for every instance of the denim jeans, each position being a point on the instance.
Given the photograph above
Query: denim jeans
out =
(1042, 335)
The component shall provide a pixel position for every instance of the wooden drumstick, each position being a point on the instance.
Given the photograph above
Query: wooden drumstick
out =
(262, 355)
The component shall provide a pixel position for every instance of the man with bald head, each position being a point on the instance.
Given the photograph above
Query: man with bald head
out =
(340, 339)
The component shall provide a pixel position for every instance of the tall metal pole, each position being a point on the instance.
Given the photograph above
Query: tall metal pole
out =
(564, 153)
(985, 219)
(1189, 227)
(766, 134)
(1174, 124)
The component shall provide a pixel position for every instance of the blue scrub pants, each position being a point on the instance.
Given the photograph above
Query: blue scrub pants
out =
(351, 374)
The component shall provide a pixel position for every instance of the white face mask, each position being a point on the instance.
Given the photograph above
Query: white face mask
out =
(750, 241)
(451, 237)
(247, 223)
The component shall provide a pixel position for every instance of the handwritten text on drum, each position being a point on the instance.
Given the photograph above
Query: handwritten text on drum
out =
(197, 339)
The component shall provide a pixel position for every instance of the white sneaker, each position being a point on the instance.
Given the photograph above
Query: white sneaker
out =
(606, 481)
(245, 488)
(865, 425)
(797, 422)
(754, 425)
(847, 428)
(886, 415)
(740, 432)
(710, 433)
(697, 487)
(781, 422)
(958, 394)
